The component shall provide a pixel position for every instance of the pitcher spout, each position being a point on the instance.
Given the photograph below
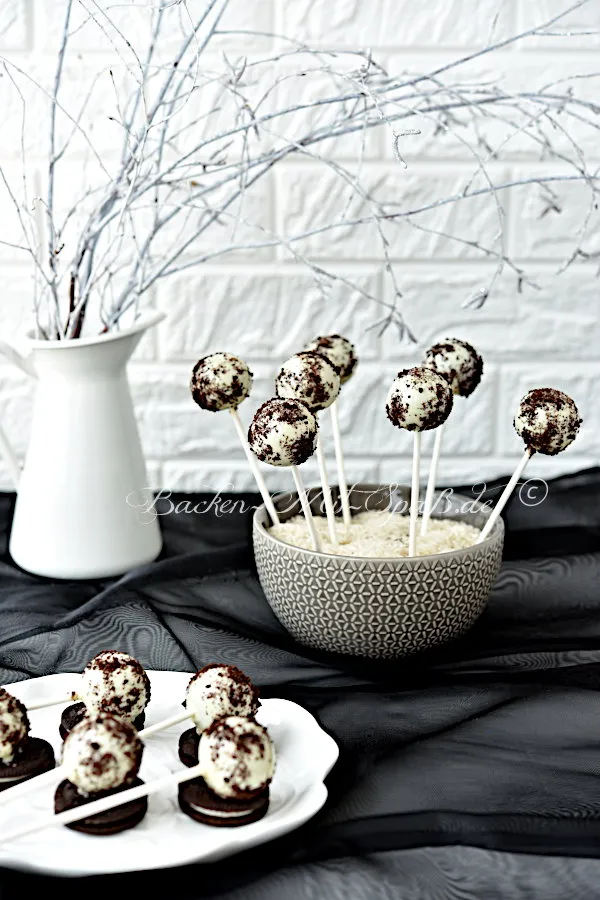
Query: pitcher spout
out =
(89, 357)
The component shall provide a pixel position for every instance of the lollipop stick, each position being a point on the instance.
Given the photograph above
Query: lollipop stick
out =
(106, 803)
(431, 481)
(53, 701)
(254, 467)
(38, 781)
(339, 459)
(24, 787)
(166, 723)
(504, 496)
(326, 493)
(414, 496)
(306, 509)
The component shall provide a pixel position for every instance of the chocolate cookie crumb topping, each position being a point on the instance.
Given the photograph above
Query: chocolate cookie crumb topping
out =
(547, 420)
(283, 433)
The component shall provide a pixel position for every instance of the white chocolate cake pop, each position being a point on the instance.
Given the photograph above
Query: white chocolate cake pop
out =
(283, 433)
(310, 378)
(458, 362)
(419, 399)
(102, 753)
(547, 420)
(217, 691)
(14, 725)
(220, 381)
(114, 682)
(237, 757)
(339, 351)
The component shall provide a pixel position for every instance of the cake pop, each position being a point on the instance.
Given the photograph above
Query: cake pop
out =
(284, 433)
(101, 756)
(21, 756)
(340, 353)
(419, 400)
(237, 761)
(222, 381)
(214, 692)
(112, 682)
(312, 379)
(548, 421)
(460, 364)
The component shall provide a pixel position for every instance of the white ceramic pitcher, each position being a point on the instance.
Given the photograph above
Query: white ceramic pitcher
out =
(84, 472)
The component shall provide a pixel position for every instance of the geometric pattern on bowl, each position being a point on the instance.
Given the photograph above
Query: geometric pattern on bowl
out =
(377, 608)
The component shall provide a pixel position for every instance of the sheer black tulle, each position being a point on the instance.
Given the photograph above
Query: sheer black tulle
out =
(462, 772)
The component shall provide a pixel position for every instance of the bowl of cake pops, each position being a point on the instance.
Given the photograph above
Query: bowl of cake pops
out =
(373, 570)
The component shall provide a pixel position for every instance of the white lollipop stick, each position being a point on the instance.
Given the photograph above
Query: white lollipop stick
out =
(306, 509)
(339, 459)
(414, 496)
(106, 803)
(24, 787)
(54, 701)
(262, 487)
(166, 723)
(504, 496)
(431, 481)
(40, 781)
(326, 493)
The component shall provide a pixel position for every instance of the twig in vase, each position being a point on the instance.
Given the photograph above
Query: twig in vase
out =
(186, 169)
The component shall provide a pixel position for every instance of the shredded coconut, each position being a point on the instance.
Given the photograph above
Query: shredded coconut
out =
(379, 533)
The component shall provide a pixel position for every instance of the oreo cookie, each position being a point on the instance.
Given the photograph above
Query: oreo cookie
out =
(75, 713)
(112, 821)
(33, 757)
(188, 747)
(198, 802)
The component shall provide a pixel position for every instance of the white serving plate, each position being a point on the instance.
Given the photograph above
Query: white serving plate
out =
(166, 837)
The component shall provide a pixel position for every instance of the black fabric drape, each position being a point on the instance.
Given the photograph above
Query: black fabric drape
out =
(470, 771)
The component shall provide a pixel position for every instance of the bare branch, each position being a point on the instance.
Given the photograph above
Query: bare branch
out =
(197, 138)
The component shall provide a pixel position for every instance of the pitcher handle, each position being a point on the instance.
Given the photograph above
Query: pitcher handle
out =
(9, 456)
(6, 450)
(14, 356)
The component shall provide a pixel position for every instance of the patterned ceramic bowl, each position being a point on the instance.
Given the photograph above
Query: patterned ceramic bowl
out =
(378, 608)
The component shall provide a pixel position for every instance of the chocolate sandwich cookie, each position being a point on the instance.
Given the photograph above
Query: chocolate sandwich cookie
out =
(75, 713)
(33, 757)
(112, 821)
(198, 802)
(188, 747)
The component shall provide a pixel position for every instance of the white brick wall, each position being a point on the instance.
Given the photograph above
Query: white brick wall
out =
(264, 306)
